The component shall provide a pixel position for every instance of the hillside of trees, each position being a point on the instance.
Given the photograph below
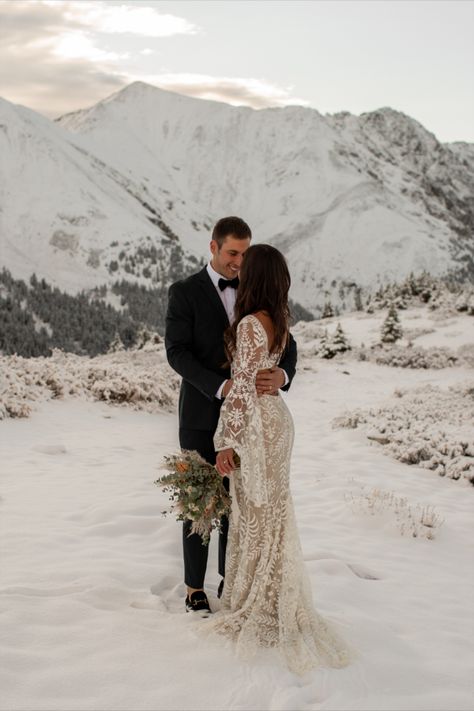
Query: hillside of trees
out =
(36, 317)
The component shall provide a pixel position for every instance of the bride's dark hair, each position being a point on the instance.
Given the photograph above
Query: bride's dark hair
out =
(264, 285)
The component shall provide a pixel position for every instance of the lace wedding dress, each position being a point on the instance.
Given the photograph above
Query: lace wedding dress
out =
(267, 599)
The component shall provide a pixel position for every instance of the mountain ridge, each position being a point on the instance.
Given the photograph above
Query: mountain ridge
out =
(349, 199)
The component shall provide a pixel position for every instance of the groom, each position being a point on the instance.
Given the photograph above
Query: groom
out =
(200, 308)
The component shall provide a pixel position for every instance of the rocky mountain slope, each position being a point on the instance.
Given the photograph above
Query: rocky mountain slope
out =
(353, 202)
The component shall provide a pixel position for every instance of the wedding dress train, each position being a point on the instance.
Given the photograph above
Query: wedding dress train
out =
(267, 600)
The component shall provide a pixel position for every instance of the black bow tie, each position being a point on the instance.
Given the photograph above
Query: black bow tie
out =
(224, 283)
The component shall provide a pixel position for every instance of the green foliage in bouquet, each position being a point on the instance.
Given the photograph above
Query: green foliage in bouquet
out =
(196, 491)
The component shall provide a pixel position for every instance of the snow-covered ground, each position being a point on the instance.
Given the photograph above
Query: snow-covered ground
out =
(91, 579)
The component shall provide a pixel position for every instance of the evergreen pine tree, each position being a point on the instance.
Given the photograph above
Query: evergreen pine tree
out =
(145, 337)
(358, 299)
(325, 347)
(116, 344)
(328, 311)
(391, 328)
(340, 344)
(379, 300)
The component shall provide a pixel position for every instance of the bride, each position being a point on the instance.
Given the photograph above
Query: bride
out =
(267, 599)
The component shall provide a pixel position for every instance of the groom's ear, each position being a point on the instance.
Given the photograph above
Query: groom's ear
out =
(214, 246)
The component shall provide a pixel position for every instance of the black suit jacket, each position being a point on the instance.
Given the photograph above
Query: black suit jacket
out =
(195, 323)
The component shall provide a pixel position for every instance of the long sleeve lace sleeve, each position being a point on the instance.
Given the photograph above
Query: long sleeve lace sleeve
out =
(240, 422)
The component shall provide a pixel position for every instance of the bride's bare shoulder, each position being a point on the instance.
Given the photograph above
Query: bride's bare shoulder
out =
(263, 317)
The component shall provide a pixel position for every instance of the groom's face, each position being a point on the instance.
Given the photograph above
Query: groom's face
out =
(228, 259)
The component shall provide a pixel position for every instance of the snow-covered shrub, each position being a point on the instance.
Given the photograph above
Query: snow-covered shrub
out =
(465, 302)
(426, 426)
(305, 331)
(419, 521)
(470, 305)
(411, 356)
(116, 344)
(466, 354)
(14, 405)
(117, 386)
(350, 420)
(411, 333)
(138, 378)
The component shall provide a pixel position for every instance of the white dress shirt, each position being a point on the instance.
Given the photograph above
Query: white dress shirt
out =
(227, 296)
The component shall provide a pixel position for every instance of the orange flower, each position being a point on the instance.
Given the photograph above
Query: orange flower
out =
(181, 467)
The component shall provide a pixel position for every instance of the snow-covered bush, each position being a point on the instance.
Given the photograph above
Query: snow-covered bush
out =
(411, 356)
(466, 354)
(426, 426)
(465, 301)
(419, 521)
(350, 420)
(141, 379)
(305, 331)
(411, 333)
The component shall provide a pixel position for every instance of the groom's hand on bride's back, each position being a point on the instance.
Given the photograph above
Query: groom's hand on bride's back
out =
(269, 381)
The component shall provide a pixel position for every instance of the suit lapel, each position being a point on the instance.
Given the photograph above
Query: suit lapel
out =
(211, 291)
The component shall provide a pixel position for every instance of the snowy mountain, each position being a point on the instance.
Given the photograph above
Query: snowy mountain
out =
(351, 201)
(65, 214)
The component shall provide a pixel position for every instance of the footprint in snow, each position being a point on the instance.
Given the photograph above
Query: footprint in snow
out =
(362, 572)
(50, 449)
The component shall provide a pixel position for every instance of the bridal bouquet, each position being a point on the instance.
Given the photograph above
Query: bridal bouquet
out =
(196, 492)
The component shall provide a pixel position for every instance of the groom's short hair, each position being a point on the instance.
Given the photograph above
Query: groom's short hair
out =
(230, 226)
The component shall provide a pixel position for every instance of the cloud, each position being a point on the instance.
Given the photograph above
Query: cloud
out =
(237, 91)
(78, 45)
(100, 16)
(55, 57)
(53, 54)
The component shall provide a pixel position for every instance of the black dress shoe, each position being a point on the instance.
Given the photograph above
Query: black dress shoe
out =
(198, 602)
(220, 589)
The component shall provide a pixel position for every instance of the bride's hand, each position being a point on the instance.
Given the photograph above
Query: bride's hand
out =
(225, 462)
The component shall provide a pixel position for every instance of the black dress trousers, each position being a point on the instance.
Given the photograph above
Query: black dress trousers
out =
(194, 551)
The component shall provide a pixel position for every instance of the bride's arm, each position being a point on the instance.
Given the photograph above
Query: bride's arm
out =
(233, 425)
(240, 426)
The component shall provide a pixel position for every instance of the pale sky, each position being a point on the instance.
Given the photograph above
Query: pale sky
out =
(416, 56)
